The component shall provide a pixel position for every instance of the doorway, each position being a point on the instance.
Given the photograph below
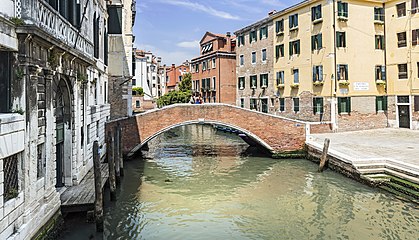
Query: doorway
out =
(404, 116)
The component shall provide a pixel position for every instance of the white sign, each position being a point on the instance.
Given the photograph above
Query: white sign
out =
(361, 86)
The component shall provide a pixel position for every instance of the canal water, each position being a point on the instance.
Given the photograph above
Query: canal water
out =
(197, 183)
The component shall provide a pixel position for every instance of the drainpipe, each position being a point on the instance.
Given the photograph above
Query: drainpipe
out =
(385, 62)
(333, 110)
(219, 80)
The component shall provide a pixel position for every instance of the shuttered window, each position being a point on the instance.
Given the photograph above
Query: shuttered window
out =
(381, 103)
(296, 103)
(241, 83)
(344, 105)
(401, 9)
(280, 78)
(402, 71)
(342, 9)
(279, 51)
(340, 39)
(416, 103)
(293, 21)
(279, 26)
(318, 73)
(380, 73)
(317, 105)
(263, 32)
(253, 81)
(316, 12)
(415, 36)
(342, 72)
(316, 42)
(264, 80)
(252, 36)
(115, 20)
(401, 39)
(415, 6)
(379, 42)
(282, 104)
(5, 70)
(294, 47)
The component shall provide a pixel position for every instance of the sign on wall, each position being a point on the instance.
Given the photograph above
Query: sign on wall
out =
(361, 86)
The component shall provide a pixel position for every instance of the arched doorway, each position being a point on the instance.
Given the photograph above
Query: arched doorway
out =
(63, 133)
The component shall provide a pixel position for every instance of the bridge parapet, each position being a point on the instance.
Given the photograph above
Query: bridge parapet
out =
(277, 134)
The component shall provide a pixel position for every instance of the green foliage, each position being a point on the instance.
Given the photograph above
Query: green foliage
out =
(186, 83)
(17, 21)
(19, 73)
(183, 95)
(139, 91)
(81, 77)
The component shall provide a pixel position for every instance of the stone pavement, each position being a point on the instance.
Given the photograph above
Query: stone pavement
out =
(394, 151)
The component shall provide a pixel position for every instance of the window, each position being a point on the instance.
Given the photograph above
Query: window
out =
(318, 73)
(263, 32)
(416, 103)
(381, 103)
(203, 82)
(241, 60)
(264, 102)
(197, 67)
(342, 9)
(204, 65)
(402, 71)
(115, 19)
(214, 80)
(11, 181)
(280, 78)
(253, 57)
(316, 42)
(417, 68)
(208, 83)
(401, 39)
(242, 102)
(296, 104)
(316, 13)
(295, 73)
(401, 9)
(403, 99)
(253, 82)
(41, 161)
(414, 6)
(253, 104)
(264, 80)
(263, 55)
(294, 47)
(379, 14)
(415, 36)
(340, 39)
(342, 72)
(241, 40)
(252, 36)
(380, 73)
(213, 63)
(293, 21)
(317, 105)
(379, 42)
(88, 134)
(242, 83)
(137, 104)
(96, 36)
(279, 26)
(5, 81)
(282, 104)
(279, 51)
(272, 102)
(344, 105)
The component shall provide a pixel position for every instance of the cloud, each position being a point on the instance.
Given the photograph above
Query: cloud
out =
(202, 8)
(169, 57)
(192, 44)
(276, 3)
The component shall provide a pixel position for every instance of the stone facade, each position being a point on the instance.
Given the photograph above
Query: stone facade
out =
(56, 107)
(264, 96)
(174, 75)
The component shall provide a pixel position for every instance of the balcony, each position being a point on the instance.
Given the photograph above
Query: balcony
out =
(343, 82)
(318, 83)
(42, 15)
(380, 82)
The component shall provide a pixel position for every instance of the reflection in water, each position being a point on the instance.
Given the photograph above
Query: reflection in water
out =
(195, 184)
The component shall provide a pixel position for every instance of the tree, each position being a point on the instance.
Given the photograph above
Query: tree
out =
(138, 91)
(183, 95)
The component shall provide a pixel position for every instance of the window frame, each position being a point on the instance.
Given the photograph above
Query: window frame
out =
(264, 80)
(347, 102)
(281, 104)
(241, 80)
(340, 39)
(318, 105)
(400, 42)
(254, 58)
(293, 21)
(241, 60)
(264, 55)
(296, 76)
(280, 78)
(380, 73)
(294, 47)
(342, 9)
(253, 81)
(401, 9)
(383, 107)
(346, 71)
(316, 13)
(296, 104)
(316, 42)
(403, 75)
(279, 51)
(380, 43)
(318, 73)
(279, 26)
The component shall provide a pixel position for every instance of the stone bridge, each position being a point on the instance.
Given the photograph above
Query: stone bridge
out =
(277, 134)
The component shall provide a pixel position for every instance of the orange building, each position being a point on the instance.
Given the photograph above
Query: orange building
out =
(174, 75)
(214, 71)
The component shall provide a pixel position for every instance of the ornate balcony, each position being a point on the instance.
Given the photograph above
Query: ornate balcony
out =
(42, 15)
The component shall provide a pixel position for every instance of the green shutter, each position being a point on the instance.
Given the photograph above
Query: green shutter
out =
(385, 103)
(377, 107)
(339, 105)
(260, 33)
(312, 42)
(290, 48)
(383, 73)
(298, 46)
(348, 100)
(383, 42)
(338, 39)
(277, 51)
(319, 41)
(290, 21)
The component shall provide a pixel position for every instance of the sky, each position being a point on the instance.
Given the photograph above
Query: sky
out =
(172, 29)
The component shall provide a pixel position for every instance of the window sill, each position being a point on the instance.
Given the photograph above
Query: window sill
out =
(342, 18)
(293, 29)
(280, 33)
(319, 20)
(343, 113)
(379, 22)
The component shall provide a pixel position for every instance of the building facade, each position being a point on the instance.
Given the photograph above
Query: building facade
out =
(54, 105)
(214, 71)
(174, 75)
(351, 63)
(256, 87)
(120, 36)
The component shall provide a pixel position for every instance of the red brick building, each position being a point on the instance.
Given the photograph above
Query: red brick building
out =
(174, 75)
(214, 71)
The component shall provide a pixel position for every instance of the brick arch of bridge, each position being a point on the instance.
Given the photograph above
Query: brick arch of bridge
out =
(278, 134)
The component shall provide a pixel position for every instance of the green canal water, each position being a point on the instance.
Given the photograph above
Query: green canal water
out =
(197, 183)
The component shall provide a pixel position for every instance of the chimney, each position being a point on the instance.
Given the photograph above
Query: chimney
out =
(271, 12)
(228, 34)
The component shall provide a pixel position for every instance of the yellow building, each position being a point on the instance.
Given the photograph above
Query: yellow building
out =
(330, 63)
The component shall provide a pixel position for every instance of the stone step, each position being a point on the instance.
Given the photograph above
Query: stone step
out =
(399, 194)
(401, 175)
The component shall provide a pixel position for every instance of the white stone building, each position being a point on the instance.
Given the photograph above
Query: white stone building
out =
(148, 75)
(53, 104)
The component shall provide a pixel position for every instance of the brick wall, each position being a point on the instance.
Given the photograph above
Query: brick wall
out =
(281, 135)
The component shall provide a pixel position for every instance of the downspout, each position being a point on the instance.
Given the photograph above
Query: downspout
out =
(333, 109)
(219, 80)
(385, 63)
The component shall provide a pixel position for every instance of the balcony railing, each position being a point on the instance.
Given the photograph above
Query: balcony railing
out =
(49, 19)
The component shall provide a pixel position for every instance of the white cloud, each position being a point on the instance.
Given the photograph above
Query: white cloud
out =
(192, 44)
(276, 3)
(169, 57)
(202, 8)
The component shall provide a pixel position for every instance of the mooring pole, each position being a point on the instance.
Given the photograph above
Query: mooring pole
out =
(324, 158)
(98, 188)
(111, 163)
(121, 157)
(116, 151)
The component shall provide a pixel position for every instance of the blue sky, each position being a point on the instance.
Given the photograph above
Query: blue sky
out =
(172, 29)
